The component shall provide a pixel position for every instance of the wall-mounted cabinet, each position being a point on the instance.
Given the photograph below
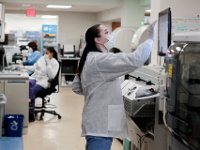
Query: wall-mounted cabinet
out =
(68, 69)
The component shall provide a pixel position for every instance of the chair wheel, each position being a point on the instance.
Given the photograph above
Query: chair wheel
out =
(59, 117)
(41, 117)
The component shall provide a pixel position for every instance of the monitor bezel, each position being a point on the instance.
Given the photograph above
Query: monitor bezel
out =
(162, 13)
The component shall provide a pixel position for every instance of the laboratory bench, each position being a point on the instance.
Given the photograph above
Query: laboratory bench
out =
(15, 86)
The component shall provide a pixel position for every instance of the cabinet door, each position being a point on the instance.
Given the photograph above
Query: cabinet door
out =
(1, 86)
(69, 66)
(17, 93)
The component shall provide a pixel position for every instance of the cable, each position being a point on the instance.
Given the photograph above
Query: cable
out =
(142, 138)
(139, 144)
(138, 141)
(147, 135)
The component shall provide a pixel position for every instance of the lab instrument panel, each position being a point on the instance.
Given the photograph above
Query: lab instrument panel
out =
(183, 91)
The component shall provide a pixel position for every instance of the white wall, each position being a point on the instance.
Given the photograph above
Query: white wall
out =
(145, 2)
(179, 9)
(70, 25)
(21, 22)
(188, 8)
(110, 15)
(131, 13)
(73, 25)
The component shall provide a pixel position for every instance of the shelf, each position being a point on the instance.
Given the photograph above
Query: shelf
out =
(46, 35)
(68, 74)
(49, 36)
(69, 58)
(49, 40)
(49, 45)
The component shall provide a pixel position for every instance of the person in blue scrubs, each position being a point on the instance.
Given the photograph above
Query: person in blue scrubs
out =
(34, 54)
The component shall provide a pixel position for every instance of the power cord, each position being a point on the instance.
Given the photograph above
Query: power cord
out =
(142, 139)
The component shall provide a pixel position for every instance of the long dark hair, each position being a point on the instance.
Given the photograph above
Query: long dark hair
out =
(90, 36)
(52, 50)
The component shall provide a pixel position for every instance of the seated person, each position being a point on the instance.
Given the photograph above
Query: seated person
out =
(34, 54)
(45, 68)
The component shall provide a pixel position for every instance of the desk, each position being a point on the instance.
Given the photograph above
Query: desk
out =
(15, 85)
(68, 68)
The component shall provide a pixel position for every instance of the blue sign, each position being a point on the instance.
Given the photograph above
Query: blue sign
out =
(51, 29)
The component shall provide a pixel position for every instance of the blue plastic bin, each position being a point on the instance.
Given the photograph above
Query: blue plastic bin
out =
(13, 125)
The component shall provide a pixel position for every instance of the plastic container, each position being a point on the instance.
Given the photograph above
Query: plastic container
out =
(3, 101)
(13, 125)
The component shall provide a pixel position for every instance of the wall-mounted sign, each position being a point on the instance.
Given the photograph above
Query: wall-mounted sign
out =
(31, 12)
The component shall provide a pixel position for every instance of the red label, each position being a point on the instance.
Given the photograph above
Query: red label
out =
(31, 12)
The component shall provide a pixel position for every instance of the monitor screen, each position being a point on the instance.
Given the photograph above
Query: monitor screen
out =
(3, 61)
(69, 48)
(164, 31)
(5, 42)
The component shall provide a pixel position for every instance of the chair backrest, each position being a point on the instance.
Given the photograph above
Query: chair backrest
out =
(55, 82)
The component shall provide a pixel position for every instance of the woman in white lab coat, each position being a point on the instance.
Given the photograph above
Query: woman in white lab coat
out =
(103, 114)
(44, 69)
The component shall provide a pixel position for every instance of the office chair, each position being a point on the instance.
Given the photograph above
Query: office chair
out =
(45, 99)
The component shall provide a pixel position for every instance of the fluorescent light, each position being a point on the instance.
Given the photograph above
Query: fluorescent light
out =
(59, 6)
(48, 17)
(26, 5)
(148, 10)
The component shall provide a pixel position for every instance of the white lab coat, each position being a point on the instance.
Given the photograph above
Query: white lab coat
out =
(44, 70)
(103, 112)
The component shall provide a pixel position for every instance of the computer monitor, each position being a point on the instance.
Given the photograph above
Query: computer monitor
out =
(3, 61)
(5, 42)
(164, 31)
(69, 50)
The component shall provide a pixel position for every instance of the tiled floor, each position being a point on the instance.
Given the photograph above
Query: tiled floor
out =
(64, 134)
